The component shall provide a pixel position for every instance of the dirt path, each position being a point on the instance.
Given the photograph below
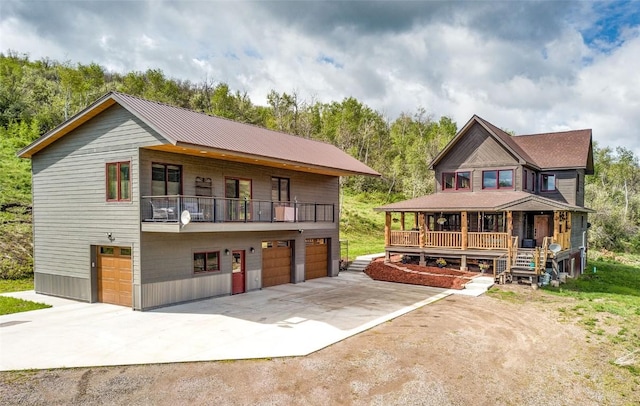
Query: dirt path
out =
(459, 351)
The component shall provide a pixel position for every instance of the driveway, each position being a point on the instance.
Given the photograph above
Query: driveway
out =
(285, 320)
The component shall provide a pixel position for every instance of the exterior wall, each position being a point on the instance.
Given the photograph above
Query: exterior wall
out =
(70, 212)
(578, 226)
(565, 187)
(167, 263)
(475, 152)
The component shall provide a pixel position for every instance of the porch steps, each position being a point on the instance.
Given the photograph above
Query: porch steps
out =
(362, 262)
(477, 286)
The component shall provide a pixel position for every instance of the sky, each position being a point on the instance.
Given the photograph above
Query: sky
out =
(525, 66)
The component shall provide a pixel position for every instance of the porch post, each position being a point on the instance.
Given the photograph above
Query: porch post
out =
(556, 226)
(422, 227)
(402, 221)
(465, 230)
(509, 228)
(463, 263)
(387, 228)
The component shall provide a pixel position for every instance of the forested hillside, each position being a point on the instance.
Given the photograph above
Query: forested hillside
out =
(35, 96)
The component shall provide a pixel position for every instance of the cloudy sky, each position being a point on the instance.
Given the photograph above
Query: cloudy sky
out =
(524, 66)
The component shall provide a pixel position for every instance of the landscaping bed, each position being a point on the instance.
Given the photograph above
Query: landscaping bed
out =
(418, 275)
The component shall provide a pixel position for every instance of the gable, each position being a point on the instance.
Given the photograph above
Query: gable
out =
(476, 148)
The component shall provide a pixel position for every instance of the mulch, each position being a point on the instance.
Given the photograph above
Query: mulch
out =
(418, 275)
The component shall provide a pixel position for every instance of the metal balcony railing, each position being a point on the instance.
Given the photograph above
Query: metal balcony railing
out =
(221, 210)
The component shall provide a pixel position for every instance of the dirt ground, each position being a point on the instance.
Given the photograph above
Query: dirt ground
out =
(458, 351)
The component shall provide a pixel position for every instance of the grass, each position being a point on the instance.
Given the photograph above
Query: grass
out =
(607, 305)
(360, 225)
(10, 305)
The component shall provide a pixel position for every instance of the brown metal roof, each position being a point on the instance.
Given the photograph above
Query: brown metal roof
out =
(190, 129)
(480, 201)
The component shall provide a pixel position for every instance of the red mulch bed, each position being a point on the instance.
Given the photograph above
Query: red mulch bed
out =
(418, 275)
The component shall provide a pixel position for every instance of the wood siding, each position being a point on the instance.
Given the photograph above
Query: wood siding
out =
(70, 209)
(475, 152)
(565, 186)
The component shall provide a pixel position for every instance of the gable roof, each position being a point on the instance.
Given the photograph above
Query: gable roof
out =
(223, 138)
(547, 151)
(480, 201)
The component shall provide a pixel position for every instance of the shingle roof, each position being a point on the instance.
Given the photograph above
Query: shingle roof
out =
(477, 201)
(546, 151)
(189, 128)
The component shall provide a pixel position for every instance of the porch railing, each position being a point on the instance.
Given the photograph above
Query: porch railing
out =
(450, 239)
(220, 210)
(488, 240)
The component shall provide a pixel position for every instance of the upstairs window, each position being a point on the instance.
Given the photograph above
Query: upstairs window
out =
(166, 179)
(502, 179)
(279, 189)
(456, 180)
(118, 181)
(548, 182)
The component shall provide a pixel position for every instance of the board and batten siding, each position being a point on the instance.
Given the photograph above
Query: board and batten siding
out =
(70, 211)
(475, 152)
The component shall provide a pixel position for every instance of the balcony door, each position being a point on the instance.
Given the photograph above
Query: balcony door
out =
(166, 179)
(238, 194)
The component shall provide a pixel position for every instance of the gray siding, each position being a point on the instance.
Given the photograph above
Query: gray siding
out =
(565, 186)
(475, 152)
(70, 210)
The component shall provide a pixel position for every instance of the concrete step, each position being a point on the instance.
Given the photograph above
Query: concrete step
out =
(361, 262)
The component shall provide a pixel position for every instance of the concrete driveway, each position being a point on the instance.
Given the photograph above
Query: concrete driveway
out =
(286, 320)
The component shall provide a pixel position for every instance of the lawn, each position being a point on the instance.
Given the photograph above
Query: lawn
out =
(9, 305)
(607, 304)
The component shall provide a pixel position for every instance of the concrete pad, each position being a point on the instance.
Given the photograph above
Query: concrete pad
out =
(285, 320)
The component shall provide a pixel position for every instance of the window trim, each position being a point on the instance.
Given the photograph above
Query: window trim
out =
(455, 181)
(206, 254)
(542, 182)
(118, 165)
(497, 173)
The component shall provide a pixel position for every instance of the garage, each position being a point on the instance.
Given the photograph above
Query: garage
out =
(114, 275)
(316, 258)
(276, 263)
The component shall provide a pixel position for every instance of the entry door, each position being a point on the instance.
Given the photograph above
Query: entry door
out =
(238, 272)
(540, 229)
(114, 275)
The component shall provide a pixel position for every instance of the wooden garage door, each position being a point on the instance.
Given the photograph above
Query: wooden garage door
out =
(315, 263)
(276, 263)
(114, 275)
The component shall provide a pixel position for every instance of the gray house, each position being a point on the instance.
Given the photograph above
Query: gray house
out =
(513, 204)
(142, 204)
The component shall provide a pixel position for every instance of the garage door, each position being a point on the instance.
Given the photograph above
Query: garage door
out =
(315, 263)
(276, 263)
(114, 275)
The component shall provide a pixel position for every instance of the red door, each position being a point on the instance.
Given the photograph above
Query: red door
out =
(237, 276)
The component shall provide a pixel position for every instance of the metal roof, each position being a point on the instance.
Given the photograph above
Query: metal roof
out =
(190, 129)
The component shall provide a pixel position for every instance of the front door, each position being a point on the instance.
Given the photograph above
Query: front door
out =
(540, 228)
(237, 275)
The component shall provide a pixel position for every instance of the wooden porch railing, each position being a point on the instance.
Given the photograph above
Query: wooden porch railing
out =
(405, 238)
(450, 239)
(443, 239)
(488, 240)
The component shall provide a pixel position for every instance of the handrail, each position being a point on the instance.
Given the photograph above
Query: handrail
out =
(167, 208)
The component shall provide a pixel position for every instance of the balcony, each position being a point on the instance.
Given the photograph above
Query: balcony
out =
(210, 214)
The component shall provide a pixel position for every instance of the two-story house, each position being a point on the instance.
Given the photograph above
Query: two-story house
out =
(143, 204)
(513, 203)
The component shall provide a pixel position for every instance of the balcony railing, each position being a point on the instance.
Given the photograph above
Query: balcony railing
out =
(222, 210)
(449, 239)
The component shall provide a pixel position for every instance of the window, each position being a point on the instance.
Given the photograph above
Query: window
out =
(238, 191)
(166, 179)
(548, 183)
(206, 262)
(118, 181)
(279, 189)
(456, 180)
(502, 179)
(525, 180)
(578, 183)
